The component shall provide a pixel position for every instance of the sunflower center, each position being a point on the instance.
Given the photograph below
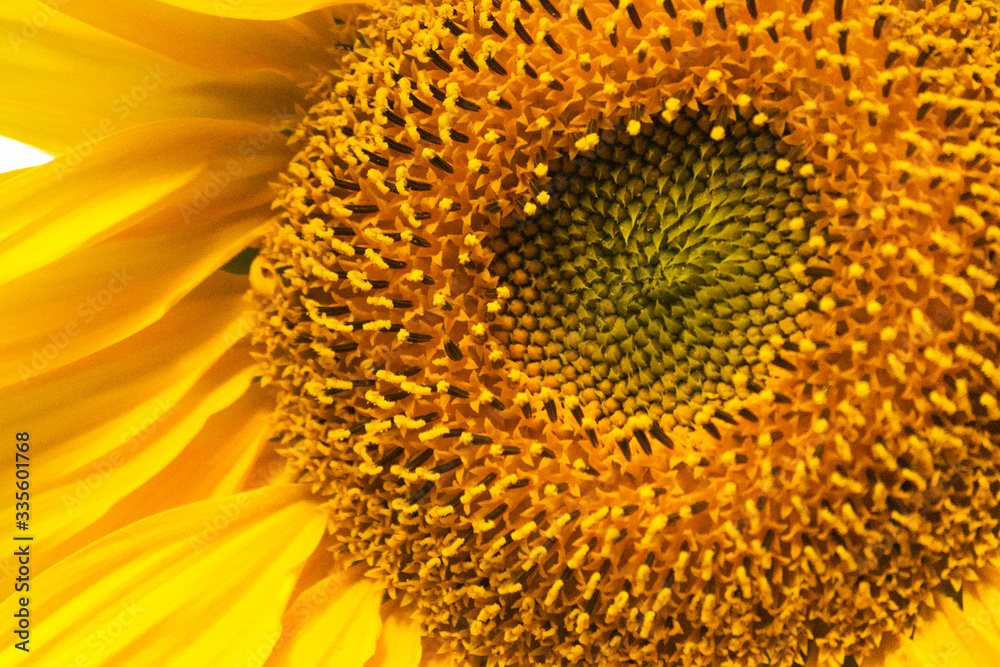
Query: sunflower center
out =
(663, 264)
(483, 297)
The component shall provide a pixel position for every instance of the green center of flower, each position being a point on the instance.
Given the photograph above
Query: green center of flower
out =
(663, 265)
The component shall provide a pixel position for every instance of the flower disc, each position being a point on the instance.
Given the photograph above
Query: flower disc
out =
(662, 333)
(660, 268)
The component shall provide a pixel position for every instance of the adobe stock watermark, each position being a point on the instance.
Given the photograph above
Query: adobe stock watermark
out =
(100, 640)
(220, 179)
(242, 327)
(139, 431)
(121, 108)
(230, 510)
(33, 24)
(86, 312)
(103, 468)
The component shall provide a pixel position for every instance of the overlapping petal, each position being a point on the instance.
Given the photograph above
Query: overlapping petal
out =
(962, 637)
(333, 622)
(257, 9)
(203, 584)
(230, 454)
(221, 35)
(172, 176)
(106, 251)
(398, 645)
(12, 173)
(103, 426)
(67, 83)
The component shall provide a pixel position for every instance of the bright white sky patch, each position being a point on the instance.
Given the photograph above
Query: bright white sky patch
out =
(15, 155)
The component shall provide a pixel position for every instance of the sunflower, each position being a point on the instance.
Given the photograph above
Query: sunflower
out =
(502, 333)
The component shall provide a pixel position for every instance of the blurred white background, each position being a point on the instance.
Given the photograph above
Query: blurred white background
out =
(15, 155)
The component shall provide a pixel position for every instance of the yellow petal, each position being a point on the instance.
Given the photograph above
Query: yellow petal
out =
(66, 83)
(73, 301)
(257, 9)
(330, 623)
(219, 461)
(102, 427)
(975, 624)
(203, 584)
(7, 175)
(967, 637)
(215, 36)
(175, 176)
(398, 645)
(108, 293)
